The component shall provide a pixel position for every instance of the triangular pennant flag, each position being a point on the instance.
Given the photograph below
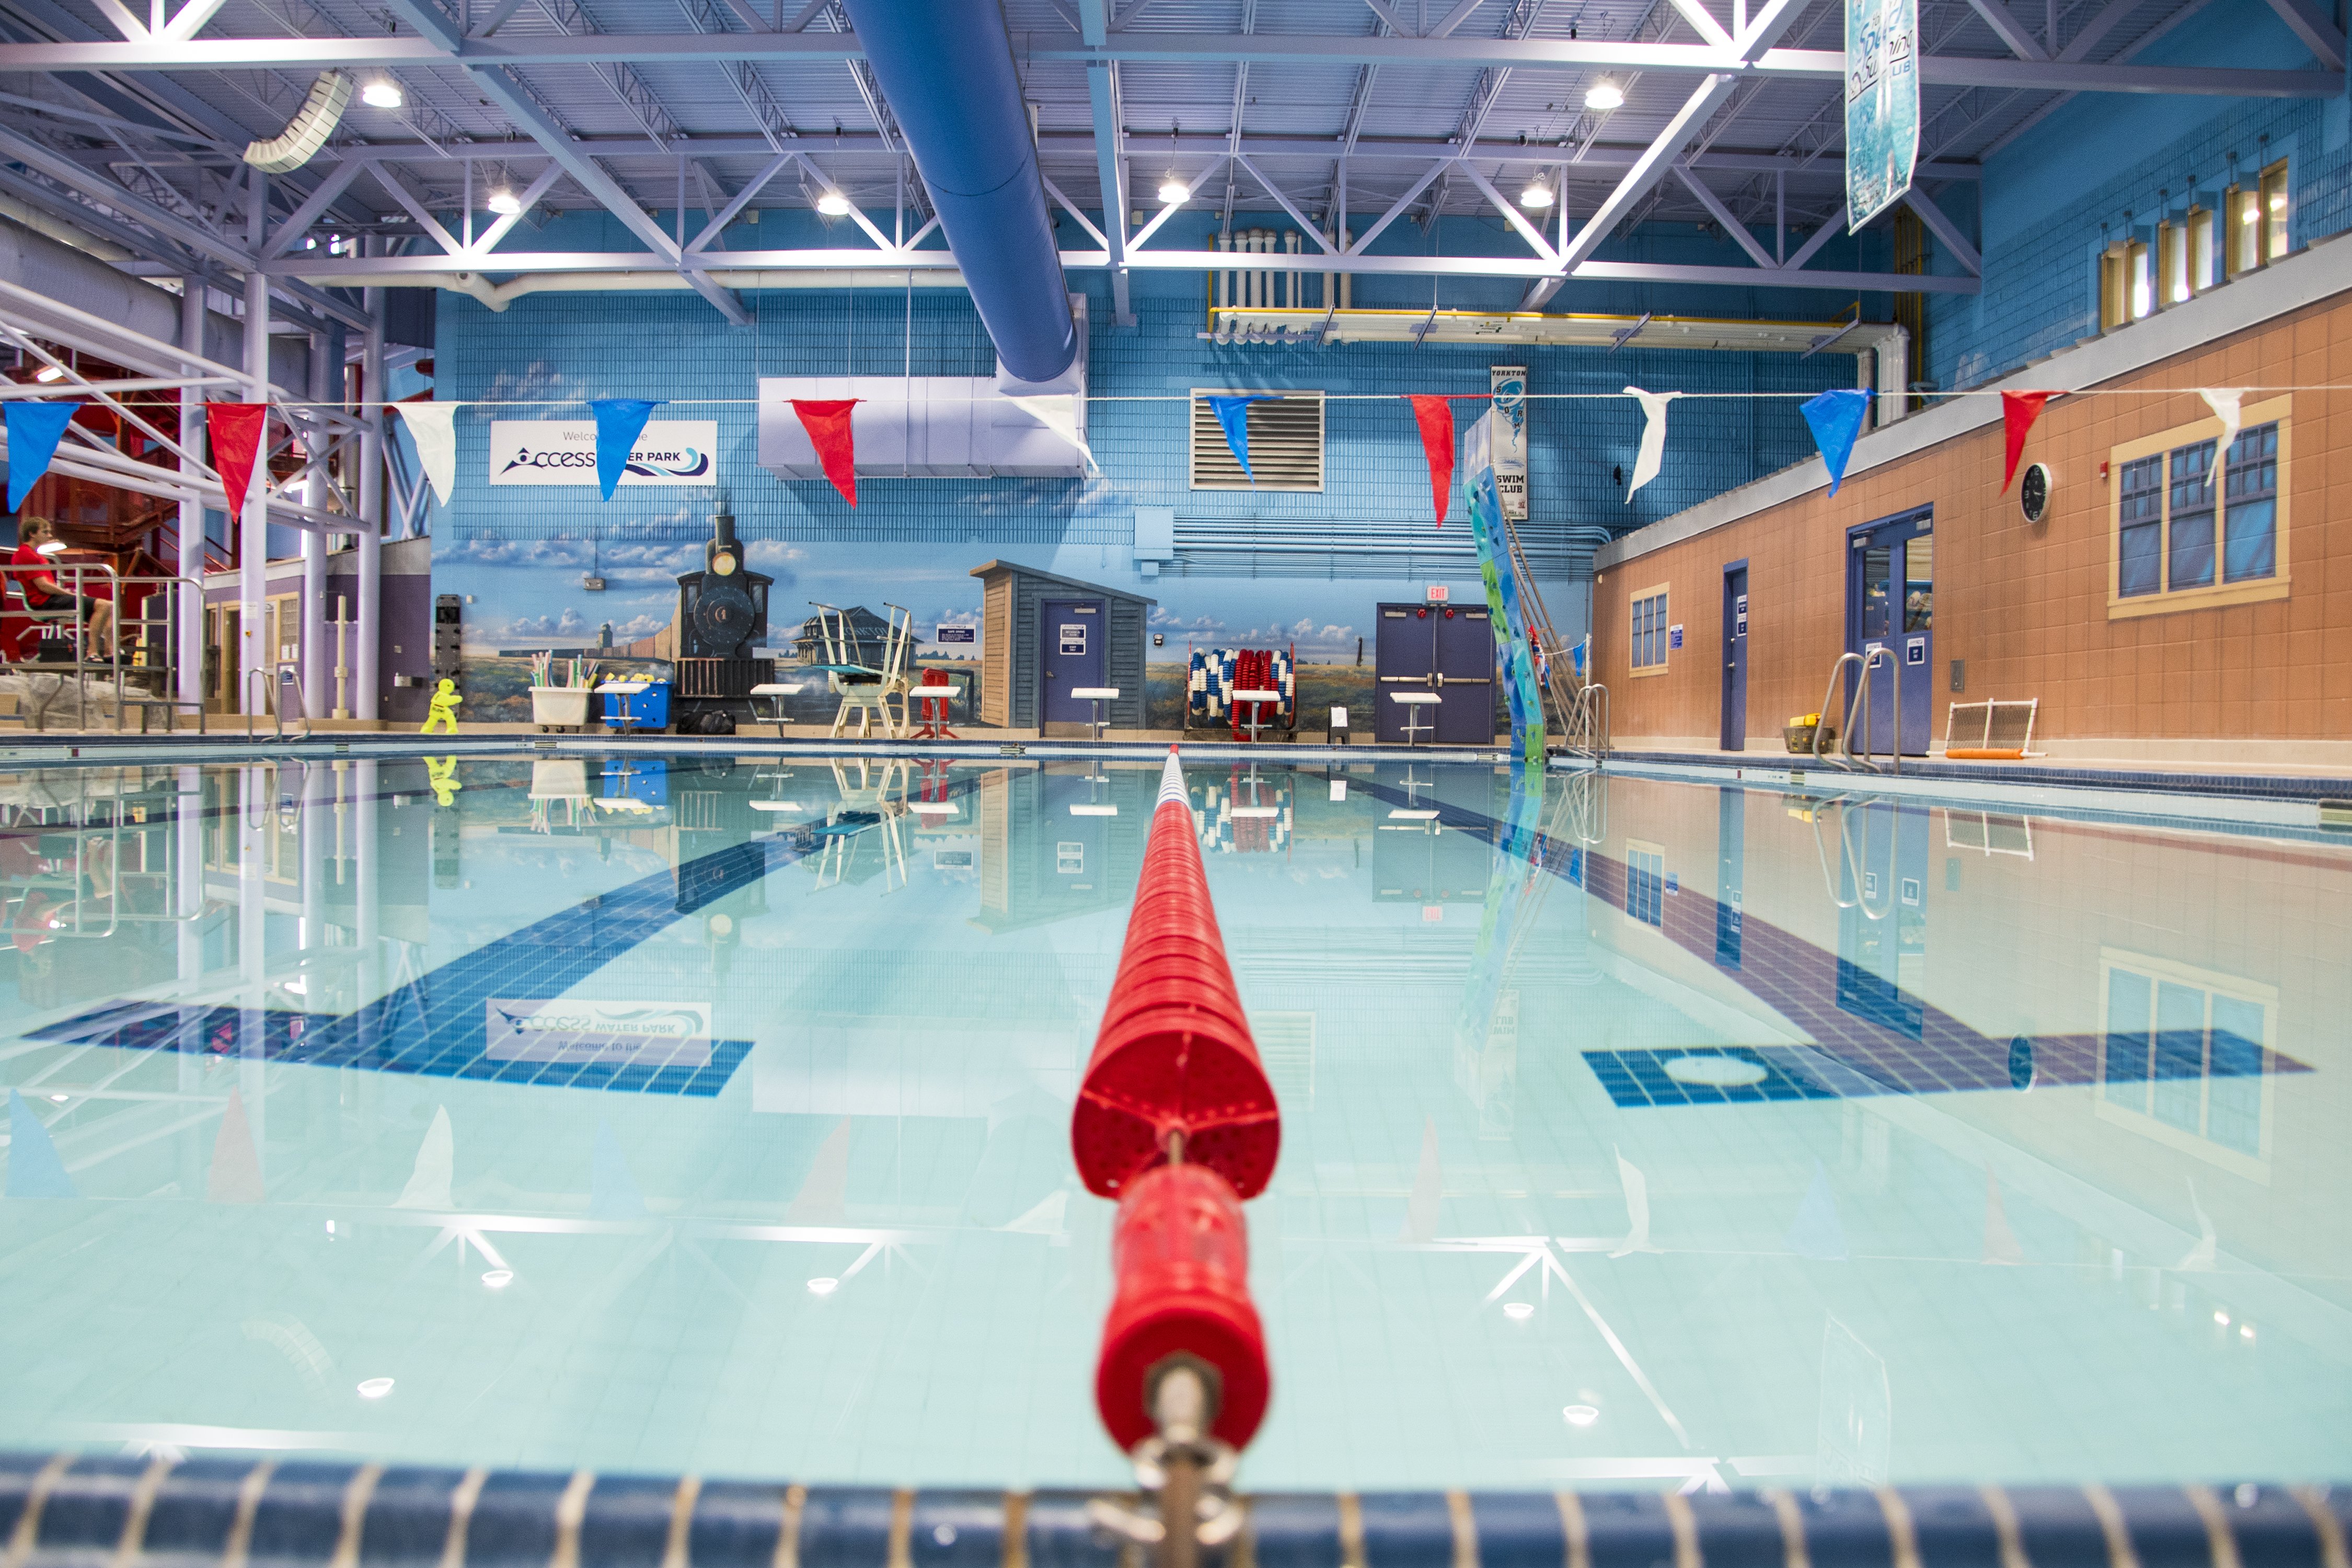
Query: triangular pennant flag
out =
(34, 430)
(436, 1162)
(619, 422)
(34, 1169)
(2018, 410)
(824, 1191)
(1435, 417)
(235, 1176)
(434, 427)
(1816, 1232)
(1653, 453)
(2001, 1246)
(826, 420)
(236, 432)
(1231, 410)
(1058, 412)
(2224, 404)
(613, 1192)
(1420, 1208)
(1836, 418)
(1637, 1209)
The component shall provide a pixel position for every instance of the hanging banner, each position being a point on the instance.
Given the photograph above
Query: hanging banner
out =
(1882, 105)
(564, 452)
(1519, 685)
(1509, 385)
(433, 426)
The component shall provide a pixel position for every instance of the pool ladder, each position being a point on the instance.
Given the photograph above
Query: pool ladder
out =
(1860, 703)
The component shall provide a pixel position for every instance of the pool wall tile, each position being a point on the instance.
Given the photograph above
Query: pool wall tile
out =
(1951, 1526)
(626, 1522)
(1628, 1530)
(1519, 1530)
(299, 1519)
(1738, 1530)
(406, 1524)
(1407, 1529)
(1057, 1532)
(2058, 1524)
(513, 1522)
(957, 1530)
(82, 1519)
(847, 1527)
(1295, 1530)
(193, 1512)
(2166, 1528)
(735, 1522)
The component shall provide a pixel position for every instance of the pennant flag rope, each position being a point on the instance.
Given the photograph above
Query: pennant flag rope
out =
(826, 420)
(236, 432)
(2224, 404)
(1653, 453)
(2018, 410)
(434, 427)
(1231, 410)
(1058, 412)
(34, 431)
(1836, 418)
(1435, 417)
(619, 422)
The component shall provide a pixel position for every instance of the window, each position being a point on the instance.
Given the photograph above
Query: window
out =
(2274, 201)
(2184, 1057)
(1286, 444)
(1646, 883)
(2194, 525)
(2123, 285)
(2171, 264)
(2201, 249)
(1647, 623)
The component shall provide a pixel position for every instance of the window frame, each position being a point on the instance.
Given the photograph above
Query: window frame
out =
(2167, 599)
(2111, 1109)
(1645, 884)
(2202, 272)
(1634, 604)
(2276, 232)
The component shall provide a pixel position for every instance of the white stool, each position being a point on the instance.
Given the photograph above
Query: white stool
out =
(1257, 701)
(1098, 695)
(1414, 702)
(775, 693)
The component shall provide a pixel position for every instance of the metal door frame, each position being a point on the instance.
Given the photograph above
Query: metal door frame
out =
(1726, 639)
(1920, 520)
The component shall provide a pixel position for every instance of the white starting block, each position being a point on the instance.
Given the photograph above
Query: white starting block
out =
(1257, 701)
(1098, 695)
(774, 692)
(1412, 703)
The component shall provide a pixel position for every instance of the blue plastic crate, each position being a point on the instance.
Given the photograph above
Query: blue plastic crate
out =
(647, 708)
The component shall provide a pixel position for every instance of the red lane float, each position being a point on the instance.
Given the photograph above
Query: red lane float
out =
(1174, 1054)
(1181, 1255)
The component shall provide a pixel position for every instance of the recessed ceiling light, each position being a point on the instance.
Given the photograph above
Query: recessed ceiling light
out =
(1604, 94)
(1537, 194)
(382, 93)
(60, 1098)
(822, 1286)
(2245, 1331)
(833, 203)
(1173, 192)
(1518, 1311)
(2222, 1318)
(505, 203)
(48, 372)
(375, 1388)
(1581, 1414)
(498, 1279)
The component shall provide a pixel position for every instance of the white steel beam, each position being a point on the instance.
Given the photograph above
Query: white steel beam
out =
(1732, 227)
(1944, 229)
(2311, 25)
(2009, 30)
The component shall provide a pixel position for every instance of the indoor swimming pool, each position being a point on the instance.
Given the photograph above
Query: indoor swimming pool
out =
(710, 1113)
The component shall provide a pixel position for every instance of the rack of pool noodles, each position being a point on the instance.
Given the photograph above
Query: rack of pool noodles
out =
(1211, 675)
(582, 671)
(1176, 1120)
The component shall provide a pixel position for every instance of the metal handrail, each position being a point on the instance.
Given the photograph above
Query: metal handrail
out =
(141, 622)
(245, 700)
(1870, 727)
(1828, 691)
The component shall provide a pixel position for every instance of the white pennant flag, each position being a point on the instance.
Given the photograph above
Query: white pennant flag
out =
(434, 427)
(1652, 454)
(2225, 406)
(1058, 412)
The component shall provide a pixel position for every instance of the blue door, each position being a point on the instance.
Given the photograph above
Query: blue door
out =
(1891, 604)
(1071, 632)
(1735, 658)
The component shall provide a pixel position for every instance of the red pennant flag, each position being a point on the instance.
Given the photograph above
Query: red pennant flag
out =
(2018, 410)
(236, 432)
(1435, 417)
(828, 424)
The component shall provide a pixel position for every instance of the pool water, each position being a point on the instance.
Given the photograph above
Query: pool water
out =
(709, 1113)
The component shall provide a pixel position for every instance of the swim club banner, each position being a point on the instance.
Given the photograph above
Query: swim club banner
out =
(564, 452)
(1509, 385)
(1882, 105)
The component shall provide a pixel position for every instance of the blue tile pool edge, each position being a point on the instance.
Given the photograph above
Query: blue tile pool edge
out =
(70, 1511)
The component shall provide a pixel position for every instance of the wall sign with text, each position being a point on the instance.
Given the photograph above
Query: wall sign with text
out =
(564, 452)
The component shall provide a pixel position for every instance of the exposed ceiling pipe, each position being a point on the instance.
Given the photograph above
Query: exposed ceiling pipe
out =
(498, 296)
(947, 72)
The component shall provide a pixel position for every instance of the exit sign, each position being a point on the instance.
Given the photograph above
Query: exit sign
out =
(1439, 592)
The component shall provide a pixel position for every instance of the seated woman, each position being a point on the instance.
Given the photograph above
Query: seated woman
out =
(54, 608)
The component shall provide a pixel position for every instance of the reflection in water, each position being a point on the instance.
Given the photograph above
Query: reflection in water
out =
(711, 1113)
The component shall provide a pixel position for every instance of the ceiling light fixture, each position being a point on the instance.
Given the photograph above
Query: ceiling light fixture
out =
(833, 203)
(383, 92)
(48, 372)
(1604, 94)
(375, 1388)
(822, 1286)
(505, 203)
(1173, 192)
(1518, 1311)
(1581, 1414)
(498, 1279)
(1538, 195)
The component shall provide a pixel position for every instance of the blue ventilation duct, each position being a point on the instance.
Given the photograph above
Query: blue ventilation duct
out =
(946, 67)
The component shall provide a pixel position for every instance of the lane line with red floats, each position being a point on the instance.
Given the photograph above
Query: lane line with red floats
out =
(1177, 1120)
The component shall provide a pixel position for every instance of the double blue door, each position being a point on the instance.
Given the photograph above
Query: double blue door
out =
(1891, 604)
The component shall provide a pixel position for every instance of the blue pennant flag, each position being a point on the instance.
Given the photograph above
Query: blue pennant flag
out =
(34, 431)
(1836, 418)
(619, 422)
(34, 1169)
(1233, 412)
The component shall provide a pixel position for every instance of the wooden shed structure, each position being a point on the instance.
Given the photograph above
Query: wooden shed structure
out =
(1044, 636)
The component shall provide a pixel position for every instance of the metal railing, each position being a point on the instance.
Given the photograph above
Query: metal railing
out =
(1586, 718)
(1859, 704)
(73, 579)
(274, 694)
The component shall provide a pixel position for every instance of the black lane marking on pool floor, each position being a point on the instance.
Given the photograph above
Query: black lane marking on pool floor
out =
(1853, 1054)
(437, 1026)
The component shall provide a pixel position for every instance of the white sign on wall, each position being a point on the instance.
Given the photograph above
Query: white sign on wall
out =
(564, 452)
(1509, 385)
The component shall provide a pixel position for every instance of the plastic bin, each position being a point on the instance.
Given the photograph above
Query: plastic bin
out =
(636, 704)
(564, 706)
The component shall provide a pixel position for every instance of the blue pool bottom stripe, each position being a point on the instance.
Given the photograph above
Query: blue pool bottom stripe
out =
(65, 1511)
